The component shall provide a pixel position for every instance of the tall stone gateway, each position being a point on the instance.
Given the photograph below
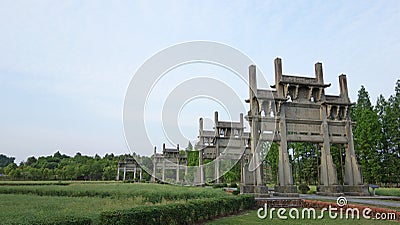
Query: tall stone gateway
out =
(298, 110)
(169, 159)
(224, 146)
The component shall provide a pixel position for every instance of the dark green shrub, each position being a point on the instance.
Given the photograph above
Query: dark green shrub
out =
(69, 220)
(303, 188)
(220, 185)
(190, 212)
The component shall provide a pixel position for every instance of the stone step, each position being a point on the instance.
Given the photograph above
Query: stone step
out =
(279, 202)
(279, 194)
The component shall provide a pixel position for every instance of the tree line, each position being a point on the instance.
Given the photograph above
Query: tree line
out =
(91, 168)
(63, 167)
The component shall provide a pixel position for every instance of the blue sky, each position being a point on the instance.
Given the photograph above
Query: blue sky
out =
(65, 65)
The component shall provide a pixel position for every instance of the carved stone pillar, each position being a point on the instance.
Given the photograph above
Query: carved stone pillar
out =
(285, 186)
(201, 172)
(163, 169)
(153, 177)
(328, 175)
(353, 182)
(177, 171)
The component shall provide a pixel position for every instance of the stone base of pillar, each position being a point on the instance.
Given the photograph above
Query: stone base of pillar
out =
(261, 192)
(198, 181)
(246, 189)
(258, 190)
(286, 191)
(330, 190)
(356, 190)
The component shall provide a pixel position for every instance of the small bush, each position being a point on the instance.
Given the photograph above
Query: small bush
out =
(303, 188)
(220, 185)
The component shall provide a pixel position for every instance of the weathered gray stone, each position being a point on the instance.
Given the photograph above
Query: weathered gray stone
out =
(129, 165)
(227, 141)
(302, 112)
(286, 191)
(296, 110)
(357, 190)
(170, 159)
(246, 189)
(330, 190)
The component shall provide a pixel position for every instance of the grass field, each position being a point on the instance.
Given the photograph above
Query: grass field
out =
(24, 202)
(250, 218)
(154, 193)
(21, 209)
(21, 204)
(388, 191)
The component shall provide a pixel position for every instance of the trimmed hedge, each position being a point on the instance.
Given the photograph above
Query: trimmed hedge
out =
(33, 183)
(190, 212)
(68, 220)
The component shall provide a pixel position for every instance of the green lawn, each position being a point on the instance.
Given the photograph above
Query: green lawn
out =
(154, 193)
(388, 191)
(250, 218)
(19, 209)
(20, 204)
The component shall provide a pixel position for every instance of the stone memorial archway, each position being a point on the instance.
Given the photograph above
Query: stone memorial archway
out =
(298, 110)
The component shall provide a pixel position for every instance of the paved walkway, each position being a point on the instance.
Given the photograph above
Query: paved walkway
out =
(390, 201)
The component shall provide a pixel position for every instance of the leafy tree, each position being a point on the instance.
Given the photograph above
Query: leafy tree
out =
(5, 161)
(367, 134)
(389, 116)
(10, 168)
(338, 156)
(233, 175)
(31, 161)
(271, 162)
(109, 172)
(305, 162)
(193, 158)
